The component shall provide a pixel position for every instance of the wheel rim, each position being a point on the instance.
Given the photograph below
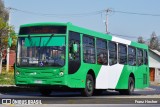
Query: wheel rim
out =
(89, 85)
(131, 86)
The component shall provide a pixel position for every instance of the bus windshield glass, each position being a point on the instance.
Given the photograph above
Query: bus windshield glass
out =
(41, 51)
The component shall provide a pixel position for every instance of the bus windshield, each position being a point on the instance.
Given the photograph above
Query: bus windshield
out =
(41, 51)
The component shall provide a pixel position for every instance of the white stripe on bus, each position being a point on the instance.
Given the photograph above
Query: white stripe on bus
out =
(108, 76)
(120, 40)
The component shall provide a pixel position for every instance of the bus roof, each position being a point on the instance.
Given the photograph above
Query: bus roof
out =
(45, 23)
(72, 27)
(106, 36)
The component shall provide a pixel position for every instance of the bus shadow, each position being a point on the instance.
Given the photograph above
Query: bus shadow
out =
(78, 94)
(66, 94)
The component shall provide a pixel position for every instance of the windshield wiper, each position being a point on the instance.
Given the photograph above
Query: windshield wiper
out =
(49, 39)
(30, 40)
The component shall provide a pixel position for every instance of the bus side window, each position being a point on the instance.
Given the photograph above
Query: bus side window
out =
(131, 56)
(145, 57)
(88, 49)
(102, 54)
(122, 54)
(112, 53)
(140, 56)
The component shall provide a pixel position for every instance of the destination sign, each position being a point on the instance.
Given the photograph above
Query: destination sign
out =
(42, 30)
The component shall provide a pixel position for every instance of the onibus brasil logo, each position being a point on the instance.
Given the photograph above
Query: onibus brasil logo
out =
(20, 101)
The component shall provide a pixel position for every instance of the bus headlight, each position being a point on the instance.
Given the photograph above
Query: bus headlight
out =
(61, 73)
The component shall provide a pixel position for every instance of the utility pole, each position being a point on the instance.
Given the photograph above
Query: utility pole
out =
(106, 22)
(8, 47)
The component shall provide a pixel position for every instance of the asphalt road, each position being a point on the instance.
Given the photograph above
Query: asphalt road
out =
(108, 97)
(152, 90)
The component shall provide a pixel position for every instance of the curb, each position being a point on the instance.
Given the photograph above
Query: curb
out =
(8, 86)
(155, 84)
(145, 89)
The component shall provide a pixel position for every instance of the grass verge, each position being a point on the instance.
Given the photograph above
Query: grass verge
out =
(7, 78)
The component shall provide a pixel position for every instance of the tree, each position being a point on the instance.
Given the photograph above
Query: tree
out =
(13, 37)
(4, 14)
(140, 40)
(5, 29)
(153, 44)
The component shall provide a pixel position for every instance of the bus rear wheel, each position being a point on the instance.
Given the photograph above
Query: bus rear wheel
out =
(130, 89)
(45, 91)
(89, 87)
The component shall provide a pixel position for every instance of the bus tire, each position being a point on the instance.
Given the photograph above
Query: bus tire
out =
(130, 90)
(89, 86)
(45, 92)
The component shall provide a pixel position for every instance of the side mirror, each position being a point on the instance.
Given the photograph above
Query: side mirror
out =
(75, 48)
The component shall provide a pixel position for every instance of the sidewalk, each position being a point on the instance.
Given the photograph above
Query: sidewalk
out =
(154, 83)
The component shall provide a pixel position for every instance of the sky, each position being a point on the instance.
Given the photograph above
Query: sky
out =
(127, 26)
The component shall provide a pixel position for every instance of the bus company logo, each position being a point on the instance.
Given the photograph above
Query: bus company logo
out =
(6, 101)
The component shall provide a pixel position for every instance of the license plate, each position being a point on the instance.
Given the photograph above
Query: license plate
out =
(38, 81)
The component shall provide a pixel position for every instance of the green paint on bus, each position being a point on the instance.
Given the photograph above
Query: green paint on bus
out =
(45, 59)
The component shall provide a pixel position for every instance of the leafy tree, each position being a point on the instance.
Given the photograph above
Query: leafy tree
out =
(140, 40)
(154, 44)
(5, 29)
(4, 14)
(13, 37)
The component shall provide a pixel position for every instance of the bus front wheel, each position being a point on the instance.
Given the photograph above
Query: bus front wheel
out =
(130, 89)
(89, 86)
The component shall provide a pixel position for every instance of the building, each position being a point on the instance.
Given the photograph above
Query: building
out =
(154, 65)
(12, 56)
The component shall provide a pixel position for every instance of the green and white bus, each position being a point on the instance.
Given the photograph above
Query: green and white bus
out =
(53, 56)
